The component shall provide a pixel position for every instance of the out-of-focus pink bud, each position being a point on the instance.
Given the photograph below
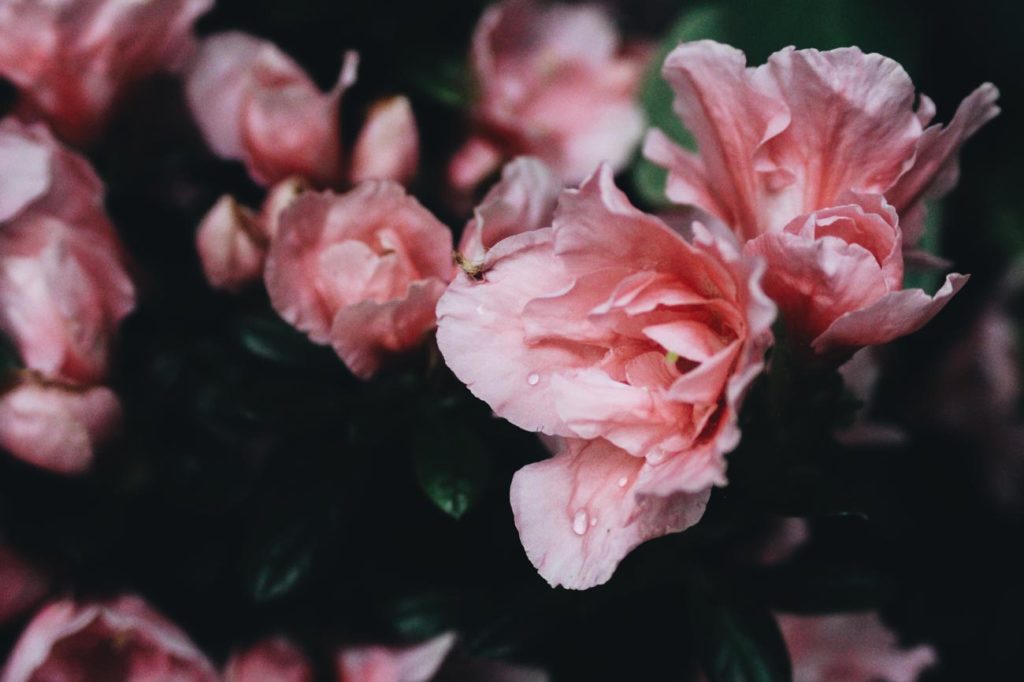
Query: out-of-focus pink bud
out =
(388, 147)
(230, 245)
(271, 660)
(22, 585)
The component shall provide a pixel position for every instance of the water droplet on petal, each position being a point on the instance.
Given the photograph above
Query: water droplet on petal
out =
(623, 481)
(579, 522)
(533, 379)
(593, 521)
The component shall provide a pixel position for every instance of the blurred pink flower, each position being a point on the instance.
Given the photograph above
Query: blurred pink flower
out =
(523, 200)
(610, 327)
(57, 427)
(123, 640)
(72, 60)
(837, 277)
(63, 293)
(849, 648)
(270, 660)
(425, 662)
(388, 146)
(63, 287)
(553, 82)
(22, 585)
(255, 104)
(361, 271)
(793, 136)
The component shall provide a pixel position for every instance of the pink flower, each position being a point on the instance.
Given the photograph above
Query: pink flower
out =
(837, 277)
(57, 427)
(63, 288)
(524, 200)
(555, 83)
(849, 648)
(271, 660)
(72, 60)
(388, 147)
(120, 640)
(255, 104)
(361, 271)
(424, 662)
(793, 136)
(22, 585)
(609, 327)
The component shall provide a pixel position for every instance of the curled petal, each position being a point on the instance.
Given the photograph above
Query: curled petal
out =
(896, 314)
(580, 512)
(418, 663)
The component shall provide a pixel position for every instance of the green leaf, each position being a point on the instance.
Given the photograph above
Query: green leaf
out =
(737, 637)
(452, 465)
(656, 97)
(282, 566)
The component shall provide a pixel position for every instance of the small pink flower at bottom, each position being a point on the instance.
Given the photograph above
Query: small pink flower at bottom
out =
(361, 271)
(425, 662)
(270, 660)
(837, 277)
(122, 640)
(610, 327)
(850, 648)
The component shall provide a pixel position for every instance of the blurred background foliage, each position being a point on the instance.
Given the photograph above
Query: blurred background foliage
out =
(259, 488)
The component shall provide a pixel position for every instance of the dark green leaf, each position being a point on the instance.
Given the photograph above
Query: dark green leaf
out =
(737, 637)
(452, 465)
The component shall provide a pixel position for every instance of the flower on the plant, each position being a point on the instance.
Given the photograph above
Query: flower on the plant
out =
(850, 648)
(552, 82)
(612, 331)
(122, 640)
(274, 659)
(361, 271)
(73, 60)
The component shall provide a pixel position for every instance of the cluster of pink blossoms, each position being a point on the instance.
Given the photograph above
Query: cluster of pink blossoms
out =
(569, 311)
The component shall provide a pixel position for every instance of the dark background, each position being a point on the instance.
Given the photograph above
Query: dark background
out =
(260, 489)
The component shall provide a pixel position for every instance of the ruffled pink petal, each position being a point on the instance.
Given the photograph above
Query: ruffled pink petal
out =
(896, 314)
(854, 647)
(852, 126)
(579, 513)
(59, 641)
(481, 332)
(366, 333)
(418, 663)
(230, 255)
(271, 660)
(24, 171)
(22, 585)
(523, 200)
(57, 428)
(388, 146)
(732, 112)
(935, 170)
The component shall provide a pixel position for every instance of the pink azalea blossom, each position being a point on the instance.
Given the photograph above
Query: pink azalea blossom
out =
(63, 288)
(22, 585)
(123, 640)
(57, 427)
(523, 200)
(361, 271)
(425, 662)
(553, 82)
(849, 648)
(611, 328)
(271, 660)
(73, 60)
(793, 136)
(837, 277)
(253, 103)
